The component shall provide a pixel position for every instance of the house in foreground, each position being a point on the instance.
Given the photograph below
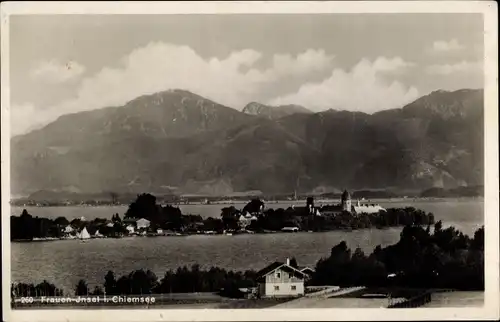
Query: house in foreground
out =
(280, 280)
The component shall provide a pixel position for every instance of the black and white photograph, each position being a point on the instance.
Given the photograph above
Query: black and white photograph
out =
(256, 160)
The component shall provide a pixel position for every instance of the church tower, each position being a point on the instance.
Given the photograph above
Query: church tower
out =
(310, 204)
(346, 201)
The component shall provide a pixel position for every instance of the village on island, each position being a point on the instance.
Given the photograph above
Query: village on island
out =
(145, 217)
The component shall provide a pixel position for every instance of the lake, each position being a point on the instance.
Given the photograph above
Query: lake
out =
(65, 262)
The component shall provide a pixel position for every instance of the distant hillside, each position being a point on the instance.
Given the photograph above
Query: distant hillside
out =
(473, 191)
(274, 112)
(178, 142)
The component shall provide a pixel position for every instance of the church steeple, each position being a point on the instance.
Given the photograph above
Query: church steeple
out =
(346, 201)
(310, 204)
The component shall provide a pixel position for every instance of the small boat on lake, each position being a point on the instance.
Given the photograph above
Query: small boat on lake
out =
(83, 235)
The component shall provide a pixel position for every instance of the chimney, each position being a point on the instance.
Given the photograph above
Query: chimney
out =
(288, 261)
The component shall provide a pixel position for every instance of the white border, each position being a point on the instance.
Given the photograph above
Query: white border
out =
(487, 8)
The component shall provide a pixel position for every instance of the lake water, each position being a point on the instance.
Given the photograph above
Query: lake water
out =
(65, 262)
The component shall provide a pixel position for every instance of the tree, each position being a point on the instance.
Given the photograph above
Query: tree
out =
(254, 206)
(293, 263)
(143, 207)
(97, 291)
(341, 252)
(116, 218)
(230, 217)
(229, 212)
(123, 285)
(142, 282)
(478, 241)
(110, 283)
(61, 221)
(358, 255)
(47, 289)
(81, 288)
(438, 226)
(25, 214)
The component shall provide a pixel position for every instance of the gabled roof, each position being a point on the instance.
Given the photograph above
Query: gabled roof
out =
(307, 269)
(269, 268)
(274, 266)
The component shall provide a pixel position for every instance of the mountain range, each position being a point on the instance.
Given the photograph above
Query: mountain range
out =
(179, 142)
(274, 112)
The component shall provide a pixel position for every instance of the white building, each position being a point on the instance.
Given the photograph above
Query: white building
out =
(68, 229)
(142, 223)
(280, 280)
(130, 228)
(347, 205)
(367, 208)
(246, 219)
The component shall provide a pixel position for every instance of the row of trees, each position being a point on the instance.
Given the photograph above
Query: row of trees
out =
(42, 289)
(276, 219)
(182, 280)
(445, 258)
(27, 227)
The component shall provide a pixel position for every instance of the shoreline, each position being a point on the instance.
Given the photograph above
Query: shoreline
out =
(50, 239)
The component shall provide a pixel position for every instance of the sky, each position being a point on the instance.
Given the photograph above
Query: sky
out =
(61, 64)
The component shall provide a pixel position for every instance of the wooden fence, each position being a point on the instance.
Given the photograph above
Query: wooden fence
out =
(413, 302)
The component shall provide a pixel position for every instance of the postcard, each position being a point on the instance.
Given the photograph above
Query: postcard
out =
(231, 161)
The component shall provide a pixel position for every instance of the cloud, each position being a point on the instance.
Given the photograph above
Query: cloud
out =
(441, 46)
(158, 66)
(363, 88)
(233, 81)
(306, 62)
(462, 67)
(25, 117)
(55, 72)
(395, 64)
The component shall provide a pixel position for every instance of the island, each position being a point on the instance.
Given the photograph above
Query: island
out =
(145, 217)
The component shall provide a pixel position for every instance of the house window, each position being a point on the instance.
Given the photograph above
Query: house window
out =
(276, 288)
(294, 287)
(278, 275)
(289, 275)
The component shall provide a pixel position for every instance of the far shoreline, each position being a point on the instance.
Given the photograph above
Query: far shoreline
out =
(269, 202)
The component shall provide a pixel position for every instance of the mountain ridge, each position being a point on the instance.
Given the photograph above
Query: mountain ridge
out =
(180, 140)
(274, 112)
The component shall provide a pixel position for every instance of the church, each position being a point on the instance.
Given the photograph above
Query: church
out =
(346, 206)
